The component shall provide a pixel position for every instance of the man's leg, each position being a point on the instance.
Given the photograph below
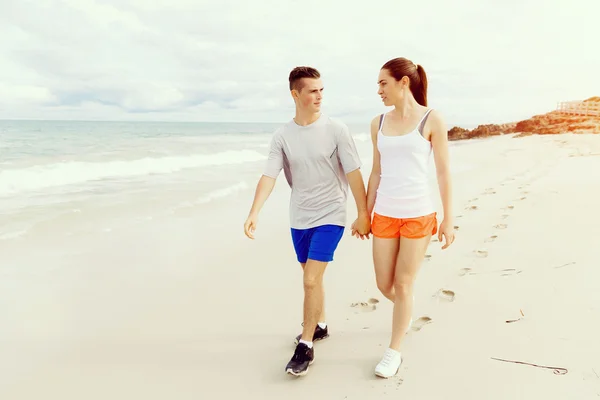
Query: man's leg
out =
(322, 245)
(313, 297)
(322, 316)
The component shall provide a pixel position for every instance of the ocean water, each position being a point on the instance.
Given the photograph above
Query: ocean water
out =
(72, 178)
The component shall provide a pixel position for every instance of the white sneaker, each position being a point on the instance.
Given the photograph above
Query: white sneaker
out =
(389, 364)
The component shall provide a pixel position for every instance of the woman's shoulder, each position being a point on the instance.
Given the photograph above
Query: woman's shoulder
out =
(434, 114)
(375, 122)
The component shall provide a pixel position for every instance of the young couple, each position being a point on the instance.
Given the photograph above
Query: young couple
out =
(319, 160)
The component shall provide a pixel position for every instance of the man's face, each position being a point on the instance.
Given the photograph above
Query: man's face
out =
(310, 96)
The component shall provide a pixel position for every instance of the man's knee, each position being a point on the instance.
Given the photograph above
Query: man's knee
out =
(313, 274)
(312, 282)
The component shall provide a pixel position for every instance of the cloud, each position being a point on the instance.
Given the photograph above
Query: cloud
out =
(229, 60)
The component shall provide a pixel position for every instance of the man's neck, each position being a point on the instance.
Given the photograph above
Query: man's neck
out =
(306, 119)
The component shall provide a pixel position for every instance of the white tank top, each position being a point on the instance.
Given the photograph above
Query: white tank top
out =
(404, 190)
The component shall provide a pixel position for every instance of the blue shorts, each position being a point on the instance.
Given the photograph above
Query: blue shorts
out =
(318, 243)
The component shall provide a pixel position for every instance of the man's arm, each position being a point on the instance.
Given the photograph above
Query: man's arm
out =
(355, 181)
(350, 161)
(265, 185)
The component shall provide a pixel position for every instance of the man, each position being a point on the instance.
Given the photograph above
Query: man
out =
(319, 160)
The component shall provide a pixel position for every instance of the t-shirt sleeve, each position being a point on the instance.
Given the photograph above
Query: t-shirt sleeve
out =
(347, 152)
(274, 163)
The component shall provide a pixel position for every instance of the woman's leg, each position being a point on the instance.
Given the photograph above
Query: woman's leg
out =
(410, 257)
(385, 254)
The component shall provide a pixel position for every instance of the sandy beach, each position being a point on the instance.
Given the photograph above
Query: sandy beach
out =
(189, 308)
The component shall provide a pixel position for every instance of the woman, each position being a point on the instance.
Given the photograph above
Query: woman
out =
(398, 195)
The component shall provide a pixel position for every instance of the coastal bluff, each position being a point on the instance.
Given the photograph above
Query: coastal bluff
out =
(569, 117)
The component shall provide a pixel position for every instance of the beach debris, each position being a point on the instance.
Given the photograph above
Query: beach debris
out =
(556, 370)
(510, 271)
(565, 265)
(510, 321)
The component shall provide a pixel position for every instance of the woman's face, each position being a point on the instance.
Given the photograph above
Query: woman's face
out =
(390, 90)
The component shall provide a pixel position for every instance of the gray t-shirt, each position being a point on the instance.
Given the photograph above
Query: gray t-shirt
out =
(315, 160)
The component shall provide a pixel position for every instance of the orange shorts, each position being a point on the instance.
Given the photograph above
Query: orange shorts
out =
(413, 228)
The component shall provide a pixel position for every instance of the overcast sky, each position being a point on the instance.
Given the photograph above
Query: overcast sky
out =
(228, 60)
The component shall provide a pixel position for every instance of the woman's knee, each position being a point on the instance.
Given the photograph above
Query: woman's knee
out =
(403, 287)
(385, 287)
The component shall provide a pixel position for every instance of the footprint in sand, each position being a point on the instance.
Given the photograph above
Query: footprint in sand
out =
(420, 323)
(427, 257)
(509, 208)
(464, 271)
(445, 294)
(473, 199)
(481, 253)
(523, 198)
(456, 227)
(491, 239)
(471, 208)
(504, 216)
(434, 240)
(368, 306)
(501, 226)
(489, 191)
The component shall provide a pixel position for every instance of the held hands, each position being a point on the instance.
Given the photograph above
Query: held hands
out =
(361, 227)
(447, 231)
(250, 225)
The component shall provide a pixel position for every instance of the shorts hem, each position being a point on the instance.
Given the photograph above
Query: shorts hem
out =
(385, 237)
(320, 257)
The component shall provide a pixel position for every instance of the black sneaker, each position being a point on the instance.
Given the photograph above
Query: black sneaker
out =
(302, 358)
(319, 334)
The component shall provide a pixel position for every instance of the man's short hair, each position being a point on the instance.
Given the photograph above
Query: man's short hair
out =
(302, 72)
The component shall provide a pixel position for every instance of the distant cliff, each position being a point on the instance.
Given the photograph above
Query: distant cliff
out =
(554, 122)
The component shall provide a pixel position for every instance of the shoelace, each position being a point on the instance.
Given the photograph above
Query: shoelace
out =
(300, 353)
(387, 358)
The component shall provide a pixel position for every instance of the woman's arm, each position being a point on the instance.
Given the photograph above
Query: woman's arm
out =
(439, 141)
(375, 176)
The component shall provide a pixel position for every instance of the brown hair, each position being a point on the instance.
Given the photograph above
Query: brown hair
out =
(400, 67)
(302, 72)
